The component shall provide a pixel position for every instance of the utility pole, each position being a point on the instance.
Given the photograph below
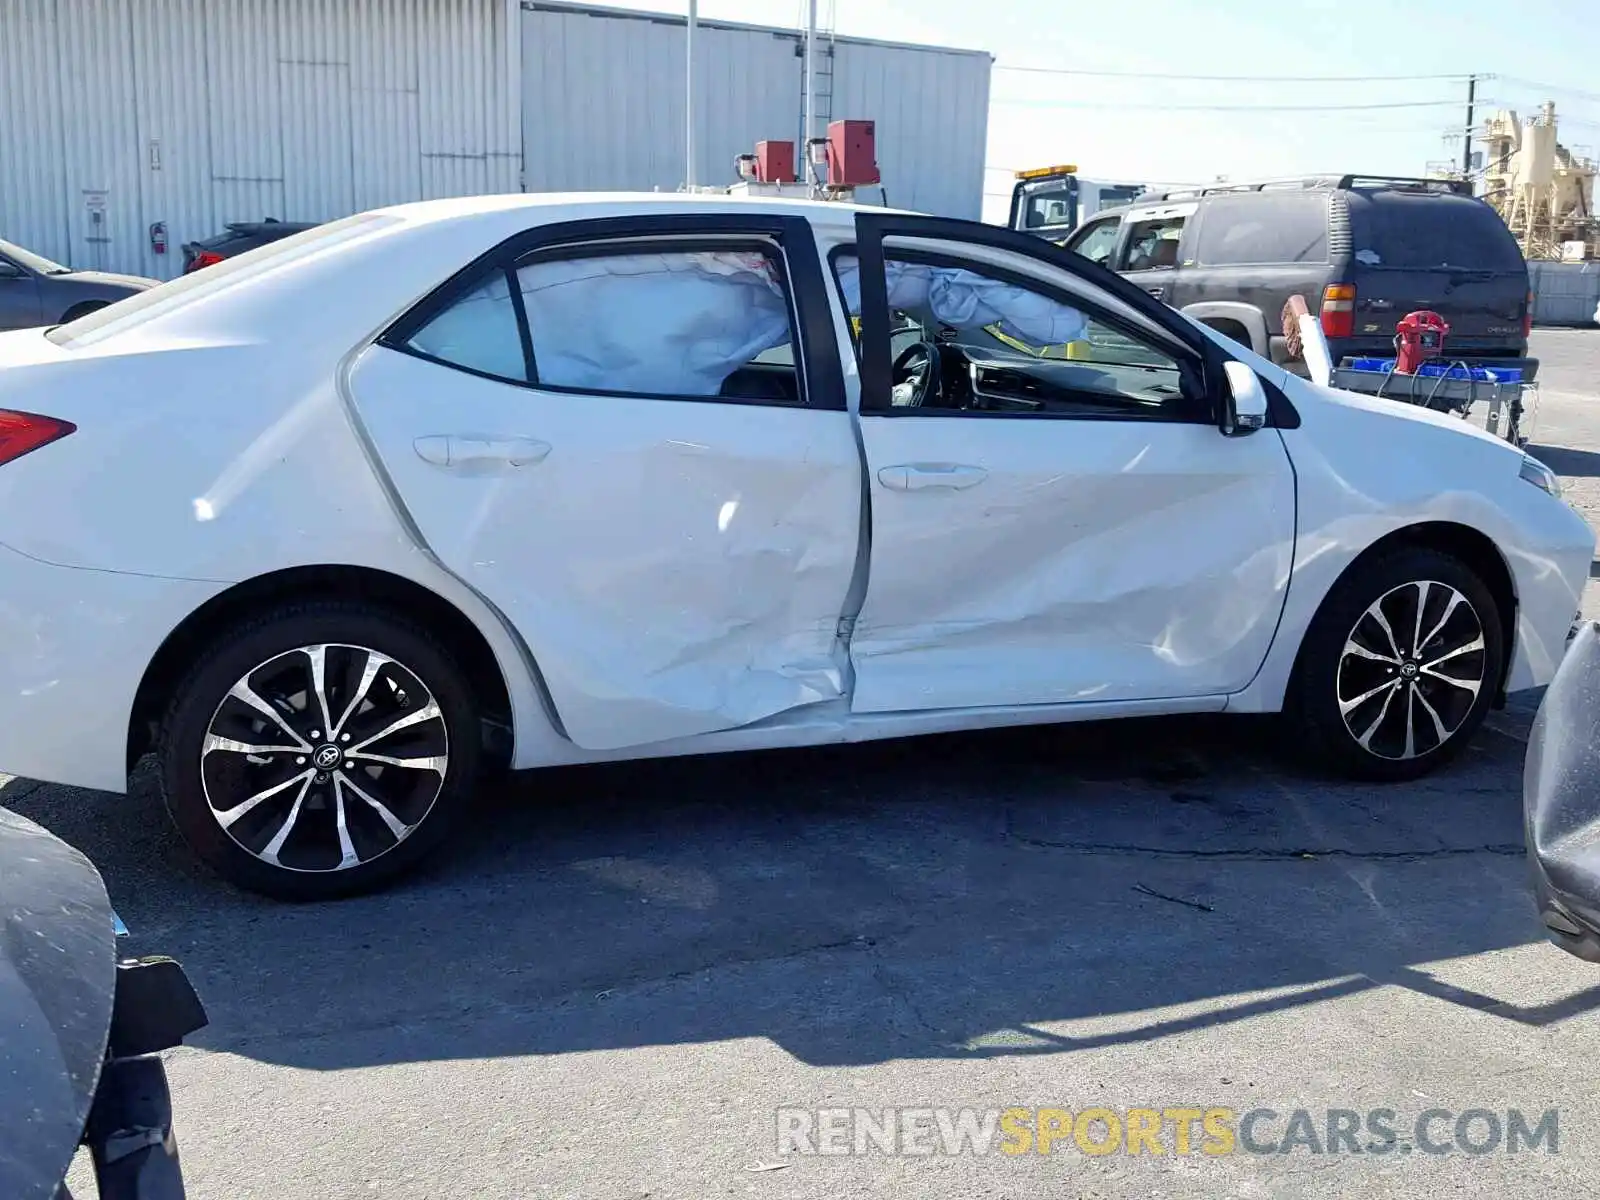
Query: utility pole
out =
(1466, 141)
(811, 79)
(688, 97)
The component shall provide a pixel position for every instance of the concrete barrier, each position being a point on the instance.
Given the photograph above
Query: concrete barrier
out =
(1565, 293)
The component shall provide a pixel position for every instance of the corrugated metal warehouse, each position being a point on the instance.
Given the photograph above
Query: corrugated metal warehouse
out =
(119, 115)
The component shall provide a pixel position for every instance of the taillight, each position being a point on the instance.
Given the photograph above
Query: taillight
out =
(21, 432)
(204, 258)
(1339, 310)
(1527, 317)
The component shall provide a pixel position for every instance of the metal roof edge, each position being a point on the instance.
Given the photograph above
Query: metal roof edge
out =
(577, 8)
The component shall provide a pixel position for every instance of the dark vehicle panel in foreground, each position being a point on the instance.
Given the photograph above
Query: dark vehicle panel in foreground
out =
(1561, 800)
(57, 979)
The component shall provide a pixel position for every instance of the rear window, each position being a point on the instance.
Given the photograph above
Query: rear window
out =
(1399, 229)
(1264, 227)
(186, 289)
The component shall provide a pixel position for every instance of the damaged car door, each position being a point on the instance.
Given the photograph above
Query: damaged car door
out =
(630, 436)
(1046, 530)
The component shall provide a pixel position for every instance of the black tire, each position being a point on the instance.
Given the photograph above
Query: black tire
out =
(83, 310)
(1318, 691)
(271, 652)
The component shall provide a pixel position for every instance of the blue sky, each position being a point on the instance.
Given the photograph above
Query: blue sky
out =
(1037, 119)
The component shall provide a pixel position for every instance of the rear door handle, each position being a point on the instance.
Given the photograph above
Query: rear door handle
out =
(914, 477)
(461, 450)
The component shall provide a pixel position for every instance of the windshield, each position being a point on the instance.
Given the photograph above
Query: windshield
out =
(1051, 206)
(37, 263)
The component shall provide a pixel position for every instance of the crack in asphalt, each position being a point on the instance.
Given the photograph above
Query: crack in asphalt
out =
(1508, 849)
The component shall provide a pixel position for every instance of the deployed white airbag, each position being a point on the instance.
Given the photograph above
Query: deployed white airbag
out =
(965, 300)
(668, 324)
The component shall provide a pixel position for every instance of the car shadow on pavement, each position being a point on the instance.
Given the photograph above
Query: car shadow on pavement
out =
(1568, 462)
(1011, 893)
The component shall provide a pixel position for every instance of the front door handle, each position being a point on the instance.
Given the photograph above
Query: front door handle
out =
(461, 450)
(914, 477)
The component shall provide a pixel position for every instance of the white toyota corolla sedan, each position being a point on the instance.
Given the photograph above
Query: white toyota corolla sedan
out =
(531, 480)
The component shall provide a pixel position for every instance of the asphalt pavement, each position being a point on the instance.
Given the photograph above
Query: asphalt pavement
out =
(621, 974)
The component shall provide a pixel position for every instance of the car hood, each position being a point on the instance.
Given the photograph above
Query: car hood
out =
(107, 279)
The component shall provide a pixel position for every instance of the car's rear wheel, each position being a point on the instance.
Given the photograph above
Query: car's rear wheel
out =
(319, 750)
(1399, 667)
(83, 310)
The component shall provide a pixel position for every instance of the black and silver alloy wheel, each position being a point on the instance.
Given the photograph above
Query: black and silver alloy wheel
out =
(1399, 667)
(324, 757)
(320, 749)
(1411, 669)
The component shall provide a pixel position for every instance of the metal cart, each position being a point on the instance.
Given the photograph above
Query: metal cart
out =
(1504, 408)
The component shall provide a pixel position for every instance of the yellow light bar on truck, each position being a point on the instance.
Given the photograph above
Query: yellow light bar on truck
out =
(1041, 172)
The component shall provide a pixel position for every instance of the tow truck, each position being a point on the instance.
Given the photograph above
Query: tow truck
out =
(1049, 202)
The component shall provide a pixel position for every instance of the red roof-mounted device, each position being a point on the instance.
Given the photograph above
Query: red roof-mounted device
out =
(852, 154)
(775, 162)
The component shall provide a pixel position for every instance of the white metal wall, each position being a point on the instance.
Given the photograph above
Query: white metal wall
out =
(603, 104)
(932, 110)
(116, 114)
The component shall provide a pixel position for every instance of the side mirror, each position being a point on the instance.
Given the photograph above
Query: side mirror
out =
(1244, 406)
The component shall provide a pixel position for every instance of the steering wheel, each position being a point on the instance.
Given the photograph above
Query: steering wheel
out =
(916, 378)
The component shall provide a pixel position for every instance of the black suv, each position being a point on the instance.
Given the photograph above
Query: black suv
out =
(239, 237)
(1367, 250)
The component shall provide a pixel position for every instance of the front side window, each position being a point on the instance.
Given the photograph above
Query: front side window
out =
(1097, 241)
(1152, 244)
(964, 339)
(711, 322)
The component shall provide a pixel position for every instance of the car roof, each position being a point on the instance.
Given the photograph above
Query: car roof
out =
(824, 212)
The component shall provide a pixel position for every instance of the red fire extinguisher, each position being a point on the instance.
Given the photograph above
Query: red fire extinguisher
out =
(1418, 337)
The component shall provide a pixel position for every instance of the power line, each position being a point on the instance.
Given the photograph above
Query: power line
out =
(1552, 87)
(1262, 108)
(1229, 78)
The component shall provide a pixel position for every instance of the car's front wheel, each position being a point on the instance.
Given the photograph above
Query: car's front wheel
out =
(1399, 667)
(319, 750)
